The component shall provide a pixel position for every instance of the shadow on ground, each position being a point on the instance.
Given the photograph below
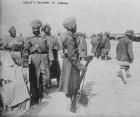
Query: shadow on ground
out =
(86, 93)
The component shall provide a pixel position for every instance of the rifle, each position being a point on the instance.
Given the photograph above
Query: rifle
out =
(76, 100)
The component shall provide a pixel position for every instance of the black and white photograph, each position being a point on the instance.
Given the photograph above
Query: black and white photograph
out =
(69, 58)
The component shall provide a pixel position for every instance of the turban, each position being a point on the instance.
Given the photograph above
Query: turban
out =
(69, 23)
(36, 24)
(44, 26)
(11, 28)
(129, 32)
(107, 33)
(100, 34)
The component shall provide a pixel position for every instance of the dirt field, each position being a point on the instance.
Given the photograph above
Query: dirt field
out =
(107, 96)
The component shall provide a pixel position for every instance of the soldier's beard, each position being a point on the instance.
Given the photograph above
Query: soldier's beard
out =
(13, 35)
(36, 33)
(47, 32)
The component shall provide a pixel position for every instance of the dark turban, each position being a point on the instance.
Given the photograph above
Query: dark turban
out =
(36, 24)
(69, 23)
(11, 28)
(44, 26)
(129, 32)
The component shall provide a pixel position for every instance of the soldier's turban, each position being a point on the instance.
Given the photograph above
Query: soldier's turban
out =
(100, 34)
(69, 23)
(44, 26)
(36, 24)
(129, 32)
(107, 33)
(11, 28)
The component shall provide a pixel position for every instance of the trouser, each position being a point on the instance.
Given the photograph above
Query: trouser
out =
(45, 74)
(104, 54)
(45, 79)
(34, 94)
(124, 70)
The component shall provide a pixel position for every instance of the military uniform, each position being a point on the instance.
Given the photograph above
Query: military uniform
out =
(105, 44)
(82, 46)
(70, 75)
(15, 94)
(54, 45)
(124, 55)
(96, 46)
(40, 56)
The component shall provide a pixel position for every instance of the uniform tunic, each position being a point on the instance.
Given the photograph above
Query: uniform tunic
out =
(96, 46)
(54, 45)
(124, 50)
(40, 55)
(105, 44)
(70, 74)
(82, 48)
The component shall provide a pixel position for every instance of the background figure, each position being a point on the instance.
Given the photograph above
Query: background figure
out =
(125, 56)
(105, 45)
(14, 91)
(82, 46)
(96, 45)
(54, 46)
(93, 43)
(39, 58)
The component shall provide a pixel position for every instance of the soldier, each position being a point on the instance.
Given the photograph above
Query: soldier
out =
(96, 45)
(14, 92)
(70, 73)
(93, 43)
(39, 59)
(82, 46)
(124, 55)
(105, 45)
(54, 45)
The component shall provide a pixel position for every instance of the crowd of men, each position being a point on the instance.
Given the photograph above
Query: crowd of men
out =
(39, 52)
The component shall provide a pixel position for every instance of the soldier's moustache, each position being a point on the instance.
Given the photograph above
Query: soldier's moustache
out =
(36, 32)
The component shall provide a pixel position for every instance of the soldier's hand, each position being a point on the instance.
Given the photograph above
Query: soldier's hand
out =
(81, 67)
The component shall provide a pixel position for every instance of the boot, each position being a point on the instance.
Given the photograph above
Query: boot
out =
(73, 104)
(44, 95)
(128, 75)
(119, 74)
(44, 91)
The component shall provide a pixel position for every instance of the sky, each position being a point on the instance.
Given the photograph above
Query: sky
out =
(93, 16)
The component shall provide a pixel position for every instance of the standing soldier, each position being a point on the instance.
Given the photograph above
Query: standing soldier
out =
(70, 74)
(39, 59)
(54, 45)
(14, 91)
(125, 56)
(105, 45)
(93, 43)
(82, 46)
(96, 45)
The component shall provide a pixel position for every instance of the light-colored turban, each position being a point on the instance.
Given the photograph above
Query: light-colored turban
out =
(69, 22)
(11, 28)
(36, 24)
(44, 26)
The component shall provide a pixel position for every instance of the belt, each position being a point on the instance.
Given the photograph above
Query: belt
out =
(11, 51)
(39, 53)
